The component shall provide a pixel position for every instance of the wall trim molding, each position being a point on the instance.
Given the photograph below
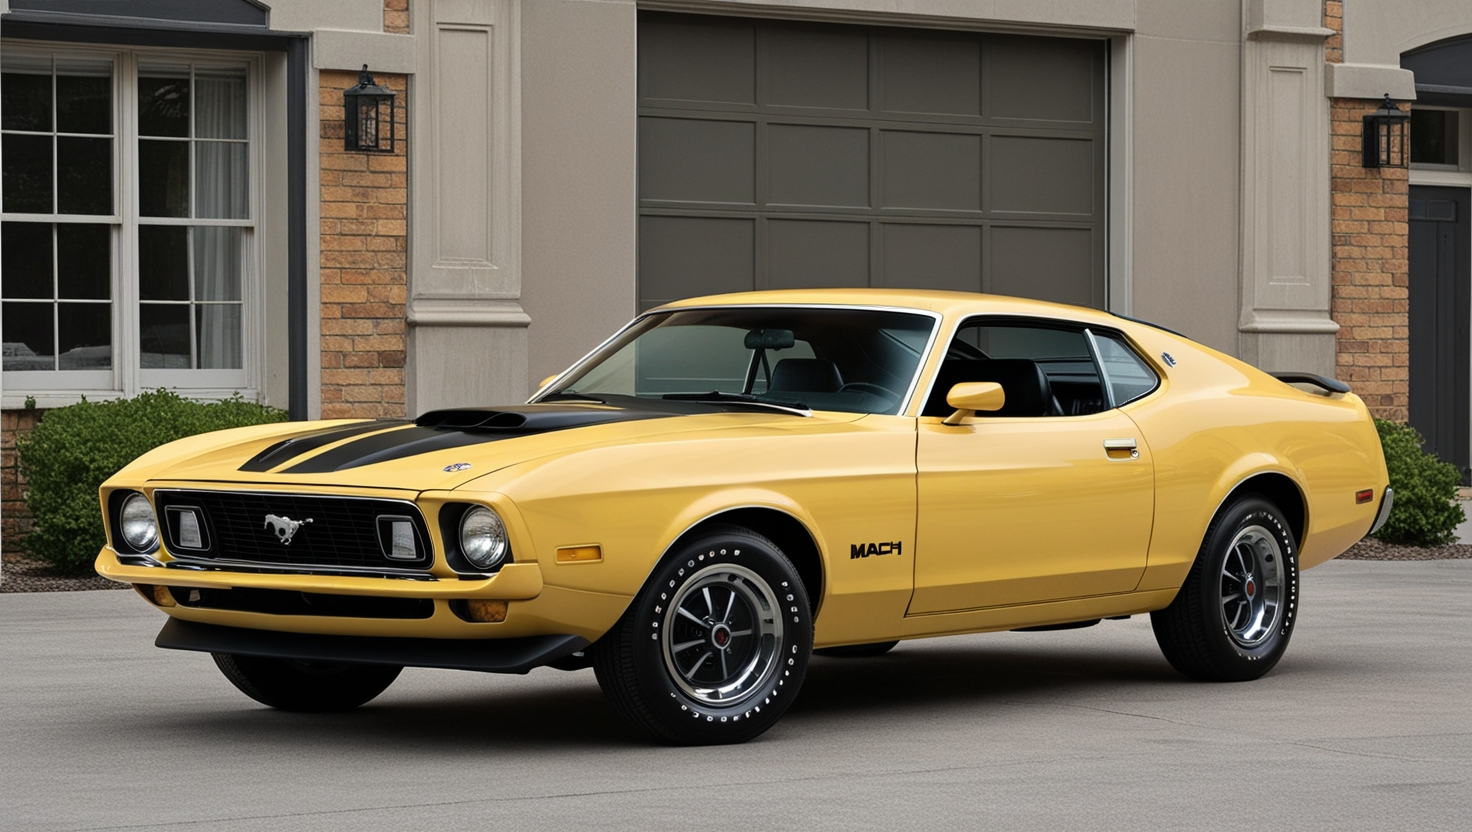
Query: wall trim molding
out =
(467, 312)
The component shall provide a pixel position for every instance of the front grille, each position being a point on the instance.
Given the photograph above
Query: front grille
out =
(345, 533)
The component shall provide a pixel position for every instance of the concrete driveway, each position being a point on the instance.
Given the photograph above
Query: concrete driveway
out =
(1366, 724)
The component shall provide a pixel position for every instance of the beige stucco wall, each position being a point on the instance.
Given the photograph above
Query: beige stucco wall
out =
(579, 194)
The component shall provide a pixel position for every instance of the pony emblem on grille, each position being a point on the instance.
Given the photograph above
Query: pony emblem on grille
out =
(284, 527)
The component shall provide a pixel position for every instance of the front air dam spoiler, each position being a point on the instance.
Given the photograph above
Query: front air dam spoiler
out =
(492, 655)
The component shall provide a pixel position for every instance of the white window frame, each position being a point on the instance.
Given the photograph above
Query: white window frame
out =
(56, 388)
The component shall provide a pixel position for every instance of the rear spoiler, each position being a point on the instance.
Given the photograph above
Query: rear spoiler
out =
(1330, 385)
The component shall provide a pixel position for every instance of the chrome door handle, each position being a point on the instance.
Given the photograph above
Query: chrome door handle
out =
(1128, 444)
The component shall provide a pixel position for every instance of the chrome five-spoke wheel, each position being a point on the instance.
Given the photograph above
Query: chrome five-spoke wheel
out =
(1252, 586)
(1234, 614)
(722, 635)
(714, 647)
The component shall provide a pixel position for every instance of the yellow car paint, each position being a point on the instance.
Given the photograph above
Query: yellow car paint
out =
(990, 524)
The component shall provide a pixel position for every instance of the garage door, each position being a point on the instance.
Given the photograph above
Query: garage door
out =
(775, 154)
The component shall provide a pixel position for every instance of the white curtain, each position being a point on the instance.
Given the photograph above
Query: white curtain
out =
(222, 191)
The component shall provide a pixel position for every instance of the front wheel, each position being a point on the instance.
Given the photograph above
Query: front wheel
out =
(1233, 617)
(714, 648)
(302, 685)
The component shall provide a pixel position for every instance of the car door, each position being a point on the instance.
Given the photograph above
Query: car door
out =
(1050, 497)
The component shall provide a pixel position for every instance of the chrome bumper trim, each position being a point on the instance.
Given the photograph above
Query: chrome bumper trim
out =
(1384, 513)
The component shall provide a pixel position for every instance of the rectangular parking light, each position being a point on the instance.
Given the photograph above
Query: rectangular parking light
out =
(401, 541)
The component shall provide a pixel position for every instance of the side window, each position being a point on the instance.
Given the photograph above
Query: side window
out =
(1129, 376)
(1044, 370)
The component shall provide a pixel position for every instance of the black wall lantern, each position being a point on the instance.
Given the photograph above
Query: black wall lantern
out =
(1385, 137)
(368, 112)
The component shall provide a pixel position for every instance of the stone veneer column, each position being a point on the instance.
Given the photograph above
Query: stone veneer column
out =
(1369, 252)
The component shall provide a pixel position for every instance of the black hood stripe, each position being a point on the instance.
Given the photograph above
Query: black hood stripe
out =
(443, 430)
(288, 449)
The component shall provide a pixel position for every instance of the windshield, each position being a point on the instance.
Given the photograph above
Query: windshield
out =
(852, 360)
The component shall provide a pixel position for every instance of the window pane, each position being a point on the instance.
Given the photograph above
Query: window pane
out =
(221, 174)
(85, 334)
(219, 103)
(217, 263)
(83, 96)
(163, 179)
(219, 336)
(26, 176)
(163, 100)
(83, 176)
(164, 337)
(1129, 376)
(163, 262)
(28, 342)
(1434, 137)
(25, 94)
(84, 262)
(25, 260)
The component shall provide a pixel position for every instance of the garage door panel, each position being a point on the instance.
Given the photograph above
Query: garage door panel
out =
(1042, 176)
(931, 171)
(930, 75)
(693, 160)
(692, 58)
(684, 256)
(820, 67)
(1040, 79)
(817, 254)
(817, 166)
(788, 154)
(918, 256)
(1055, 264)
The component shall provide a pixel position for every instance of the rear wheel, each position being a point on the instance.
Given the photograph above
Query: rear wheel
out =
(715, 646)
(301, 685)
(1233, 617)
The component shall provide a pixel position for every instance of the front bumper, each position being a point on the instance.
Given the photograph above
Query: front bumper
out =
(371, 607)
(502, 655)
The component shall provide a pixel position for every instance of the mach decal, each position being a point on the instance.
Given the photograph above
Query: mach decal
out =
(868, 550)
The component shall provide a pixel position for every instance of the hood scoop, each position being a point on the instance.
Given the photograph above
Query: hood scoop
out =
(531, 419)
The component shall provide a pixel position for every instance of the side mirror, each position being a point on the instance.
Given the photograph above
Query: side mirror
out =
(546, 381)
(970, 396)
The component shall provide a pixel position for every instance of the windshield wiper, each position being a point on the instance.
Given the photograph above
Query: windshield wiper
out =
(564, 395)
(718, 397)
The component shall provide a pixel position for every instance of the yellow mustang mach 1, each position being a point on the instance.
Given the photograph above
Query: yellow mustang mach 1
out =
(731, 482)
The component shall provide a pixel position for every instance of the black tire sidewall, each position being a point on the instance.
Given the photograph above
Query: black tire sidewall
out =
(688, 719)
(1237, 660)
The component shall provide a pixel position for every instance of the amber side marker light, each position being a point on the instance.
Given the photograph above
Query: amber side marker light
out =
(580, 554)
(1362, 497)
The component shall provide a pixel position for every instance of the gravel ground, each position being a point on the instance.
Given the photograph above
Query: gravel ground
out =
(20, 574)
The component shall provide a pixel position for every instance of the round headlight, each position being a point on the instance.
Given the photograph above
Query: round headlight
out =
(483, 537)
(139, 527)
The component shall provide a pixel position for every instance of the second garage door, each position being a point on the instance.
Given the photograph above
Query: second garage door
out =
(775, 154)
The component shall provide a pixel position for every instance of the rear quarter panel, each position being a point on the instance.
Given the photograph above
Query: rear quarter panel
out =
(1216, 422)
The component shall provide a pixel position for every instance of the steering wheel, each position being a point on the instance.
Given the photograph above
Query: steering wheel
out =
(868, 387)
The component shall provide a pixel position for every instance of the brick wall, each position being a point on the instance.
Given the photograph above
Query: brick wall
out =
(396, 17)
(363, 261)
(1369, 252)
(15, 518)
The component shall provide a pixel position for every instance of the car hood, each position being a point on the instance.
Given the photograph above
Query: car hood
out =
(440, 450)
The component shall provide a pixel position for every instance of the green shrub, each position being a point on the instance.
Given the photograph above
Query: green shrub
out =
(69, 453)
(1426, 511)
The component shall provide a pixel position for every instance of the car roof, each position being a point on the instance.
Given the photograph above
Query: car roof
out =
(949, 304)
